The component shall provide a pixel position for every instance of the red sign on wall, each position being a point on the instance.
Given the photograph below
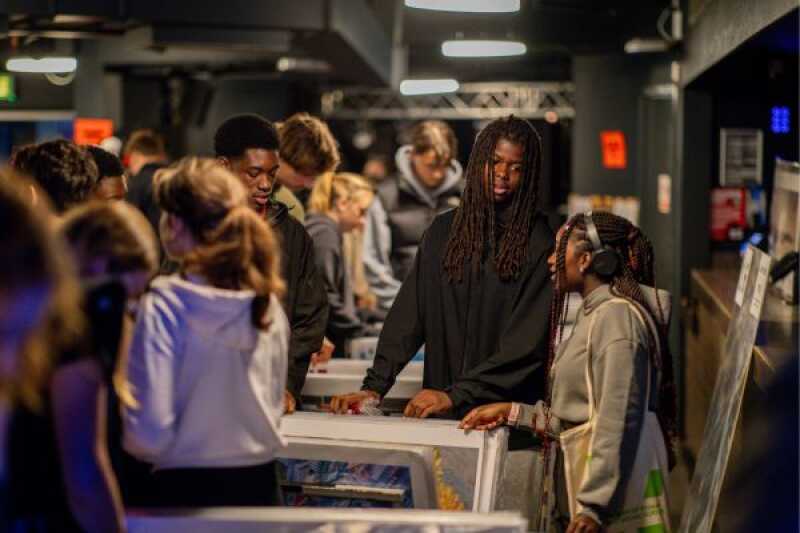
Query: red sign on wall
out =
(615, 155)
(92, 130)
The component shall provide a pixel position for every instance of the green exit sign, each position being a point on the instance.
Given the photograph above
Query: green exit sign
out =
(7, 93)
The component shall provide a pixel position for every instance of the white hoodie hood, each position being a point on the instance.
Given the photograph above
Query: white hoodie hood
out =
(209, 384)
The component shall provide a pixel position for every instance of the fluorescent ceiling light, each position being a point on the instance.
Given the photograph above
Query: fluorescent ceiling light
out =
(414, 87)
(646, 46)
(46, 65)
(467, 6)
(462, 48)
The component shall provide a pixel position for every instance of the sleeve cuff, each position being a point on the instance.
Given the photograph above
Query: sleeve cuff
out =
(590, 513)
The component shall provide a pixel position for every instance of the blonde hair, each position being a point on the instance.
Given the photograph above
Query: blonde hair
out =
(330, 187)
(33, 255)
(437, 136)
(236, 249)
(308, 145)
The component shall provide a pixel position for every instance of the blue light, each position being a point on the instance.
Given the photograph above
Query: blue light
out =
(780, 120)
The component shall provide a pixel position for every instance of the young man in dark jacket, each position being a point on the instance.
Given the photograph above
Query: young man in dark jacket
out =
(248, 145)
(428, 182)
(146, 155)
(478, 294)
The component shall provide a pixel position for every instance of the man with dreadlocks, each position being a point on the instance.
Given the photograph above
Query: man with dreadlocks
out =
(621, 329)
(477, 295)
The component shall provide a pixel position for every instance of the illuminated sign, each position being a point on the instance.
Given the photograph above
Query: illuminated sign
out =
(780, 119)
(7, 93)
(92, 130)
(615, 155)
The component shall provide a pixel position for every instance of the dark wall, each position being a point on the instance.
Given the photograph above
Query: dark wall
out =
(188, 111)
(607, 92)
(269, 98)
(34, 92)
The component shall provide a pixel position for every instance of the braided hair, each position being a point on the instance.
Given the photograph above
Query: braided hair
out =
(475, 218)
(636, 268)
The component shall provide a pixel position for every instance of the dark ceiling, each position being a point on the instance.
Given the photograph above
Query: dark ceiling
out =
(242, 35)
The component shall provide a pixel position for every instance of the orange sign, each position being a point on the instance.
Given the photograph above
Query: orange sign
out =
(92, 130)
(614, 152)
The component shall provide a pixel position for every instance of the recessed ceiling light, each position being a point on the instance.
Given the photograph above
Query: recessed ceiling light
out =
(415, 87)
(45, 65)
(467, 6)
(463, 48)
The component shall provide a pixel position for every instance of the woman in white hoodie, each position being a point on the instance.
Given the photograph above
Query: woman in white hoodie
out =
(208, 359)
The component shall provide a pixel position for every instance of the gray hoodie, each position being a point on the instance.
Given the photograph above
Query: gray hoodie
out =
(383, 280)
(620, 365)
(208, 383)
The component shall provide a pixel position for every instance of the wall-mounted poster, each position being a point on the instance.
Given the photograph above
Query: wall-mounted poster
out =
(784, 235)
(741, 156)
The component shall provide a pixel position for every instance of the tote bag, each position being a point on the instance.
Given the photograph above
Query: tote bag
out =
(645, 508)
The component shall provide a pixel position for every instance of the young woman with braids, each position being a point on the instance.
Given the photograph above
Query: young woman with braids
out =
(623, 348)
(208, 358)
(478, 294)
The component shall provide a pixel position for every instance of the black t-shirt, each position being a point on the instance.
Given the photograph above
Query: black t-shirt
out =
(36, 495)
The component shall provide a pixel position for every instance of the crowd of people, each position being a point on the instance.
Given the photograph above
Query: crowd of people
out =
(158, 319)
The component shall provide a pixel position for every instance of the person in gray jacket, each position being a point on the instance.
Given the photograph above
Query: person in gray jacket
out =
(336, 206)
(602, 257)
(429, 181)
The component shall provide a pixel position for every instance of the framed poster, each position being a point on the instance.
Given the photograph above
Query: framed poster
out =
(741, 156)
(784, 233)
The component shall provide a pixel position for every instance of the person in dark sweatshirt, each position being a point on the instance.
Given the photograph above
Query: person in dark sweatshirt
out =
(145, 155)
(478, 294)
(337, 205)
(428, 182)
(248, 146)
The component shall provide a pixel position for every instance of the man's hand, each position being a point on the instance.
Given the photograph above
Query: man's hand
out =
(486, 416)
(324, 354)
(341, 404)
(289, 403)
(428, 402)
(584, 524)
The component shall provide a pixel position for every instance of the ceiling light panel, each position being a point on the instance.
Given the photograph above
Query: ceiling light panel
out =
(417, 87)
(465, 48)
(467, 6)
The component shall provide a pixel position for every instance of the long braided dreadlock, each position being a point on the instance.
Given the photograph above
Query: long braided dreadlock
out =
(475, 218)
(636, 267)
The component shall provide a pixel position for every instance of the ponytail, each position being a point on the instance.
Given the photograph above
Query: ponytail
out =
(236, 249)
(321, 199)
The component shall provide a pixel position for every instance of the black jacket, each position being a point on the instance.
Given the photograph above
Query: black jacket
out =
(486, 340)
(140, 193)
(343, 320)
(305, 301)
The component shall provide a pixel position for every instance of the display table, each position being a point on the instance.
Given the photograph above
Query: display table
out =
(431, 459)
(288, 520)
(346, 375)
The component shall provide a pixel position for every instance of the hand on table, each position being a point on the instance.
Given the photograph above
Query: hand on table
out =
(584, 524)
(289, 403)
(486, 416)
(342, 403)
(428, 402)
(324, 354)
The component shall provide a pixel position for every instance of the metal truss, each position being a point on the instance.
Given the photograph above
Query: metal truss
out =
(476, 101)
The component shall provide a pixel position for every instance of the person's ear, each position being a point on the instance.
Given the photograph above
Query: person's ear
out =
(584, 262)
(225, 162)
